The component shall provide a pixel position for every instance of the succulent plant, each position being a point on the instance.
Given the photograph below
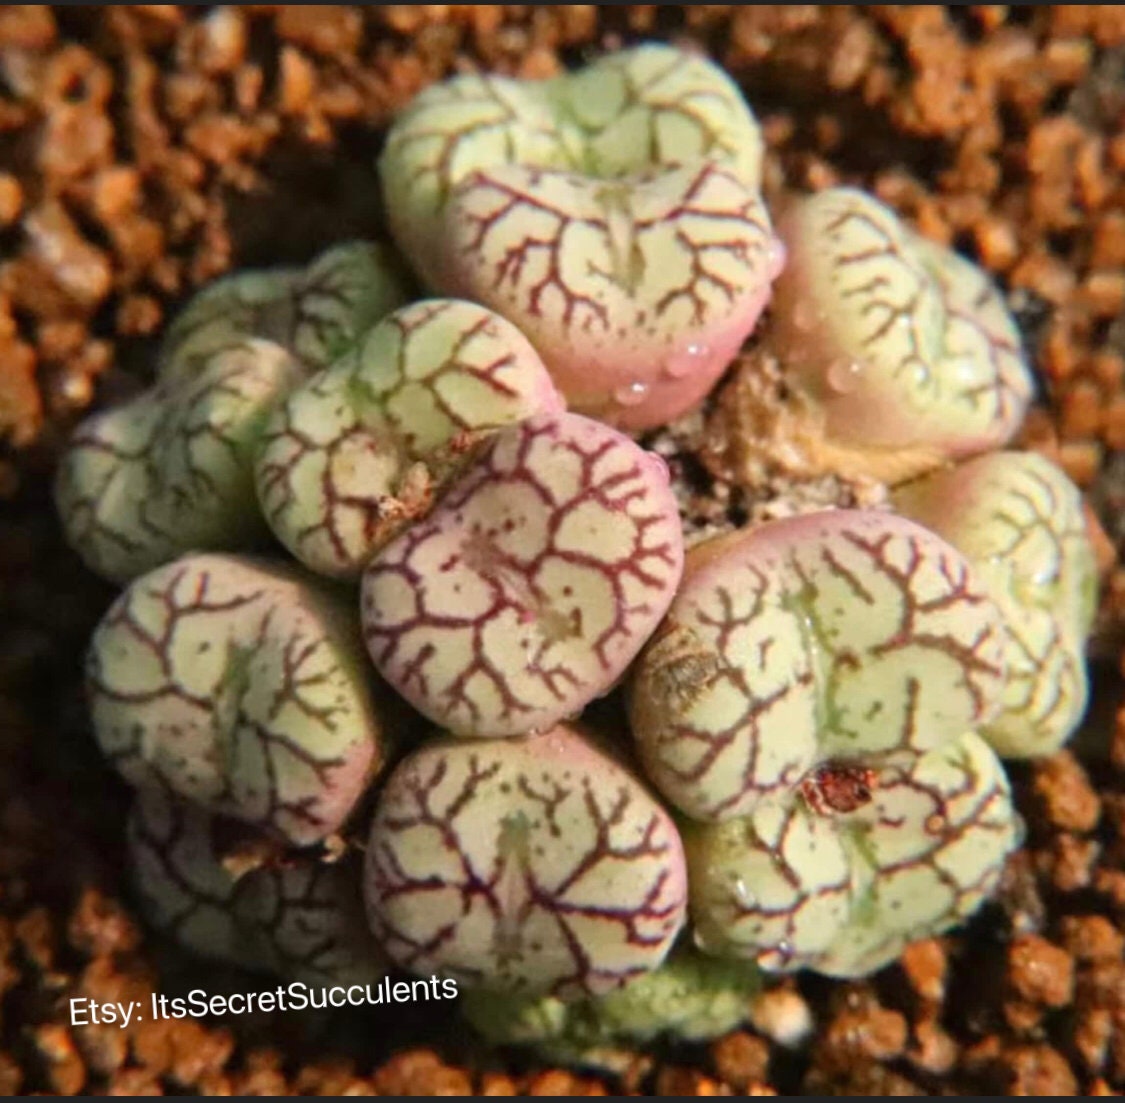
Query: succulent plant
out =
(612, 214)
(532, 584)
(844, 636)
(171, 470)
(297, 917)
(364, 448)
(240, 686)
(819, 702)
(1020, 521)
(690, 997)
(806, 699)
(899, 354)
(316, 312)
(631, 111)
(840, 877)
(524, 866)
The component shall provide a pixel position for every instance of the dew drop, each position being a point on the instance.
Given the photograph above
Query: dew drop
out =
(686, 360)
(843, 376)
(960, 370)
(743, 894)
(775, 257)
(632, 395)
(803, 316)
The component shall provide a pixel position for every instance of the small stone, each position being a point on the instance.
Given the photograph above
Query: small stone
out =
(934, 1049)
(1092, 1033)
(420, 1072)
(876, 1032)
(1041, 972)
(100, 925)
(740, 1059)
(1092, 938)
(1064, 789)
(684, 1082)
(1069, 861)
(55, 1046)
(11, 199)
(924, 963)
(1038, 1070)
(782, 1015)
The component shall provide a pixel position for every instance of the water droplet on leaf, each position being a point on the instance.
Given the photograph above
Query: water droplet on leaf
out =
(631, 395)
(843, 376)
(775, 257)
(686, 360)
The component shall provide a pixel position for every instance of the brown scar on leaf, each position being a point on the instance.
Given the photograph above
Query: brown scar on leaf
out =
(680, 667)
(838, 787)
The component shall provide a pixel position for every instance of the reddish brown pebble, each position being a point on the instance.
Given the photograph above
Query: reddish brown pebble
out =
(496, 1083)
(64, 1069)
(876, 1032)
(1092, 938)
(11, 199)
(35, 933)
(323, 28)
(1091, 1037)
(1023, 1018)
(420, 1072)
(1100, 1087)
(684, 1081)
(1040, 972)
(105, 1049)
(1038, 1070)
(1069, 861)
(924, 964)
(933, 1050)
(132, 1082)
(80, 270)
(1064, 789)
(558, 1082)
(740, 1059)
(198, 1052)
(11, 1078)
(99, 925)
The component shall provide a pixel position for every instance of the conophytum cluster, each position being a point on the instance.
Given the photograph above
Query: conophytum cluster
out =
(340, 495)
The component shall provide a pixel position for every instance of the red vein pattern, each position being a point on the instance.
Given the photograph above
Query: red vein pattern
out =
(240, 688)
(614, 283)
(316, 313)
(530, 865)
(532, 585)
(849, 635)
(794, 886)
(362, 450)
(296, 917)
(903, 348)
(612, 214)
(1020, 521)
(171, 470)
